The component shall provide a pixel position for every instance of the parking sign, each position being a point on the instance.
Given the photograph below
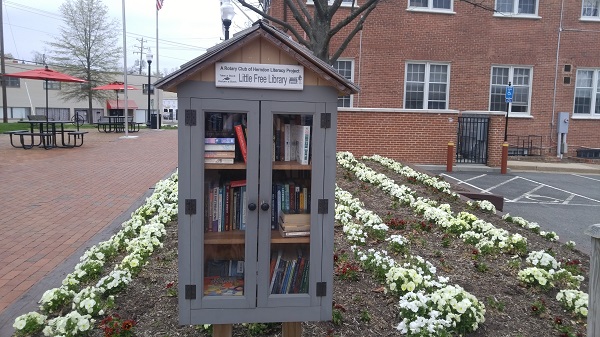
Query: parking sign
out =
(509, 94)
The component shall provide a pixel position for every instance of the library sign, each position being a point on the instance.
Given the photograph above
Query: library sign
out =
(259, 76)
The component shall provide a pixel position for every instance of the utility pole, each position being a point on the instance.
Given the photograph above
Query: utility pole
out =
(2, 69)
(141, 52)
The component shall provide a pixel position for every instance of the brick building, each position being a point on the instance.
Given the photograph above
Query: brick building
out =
(424, 65)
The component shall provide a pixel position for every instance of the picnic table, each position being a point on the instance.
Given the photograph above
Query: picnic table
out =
(45, 133)
(117, 124)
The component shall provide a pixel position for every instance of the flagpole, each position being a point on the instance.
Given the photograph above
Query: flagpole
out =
(125, 72)
(156, 92)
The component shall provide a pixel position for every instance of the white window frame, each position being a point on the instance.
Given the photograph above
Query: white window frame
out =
(515, 12)
(511, 72)
(595, 94)
(430, 8)
(426, 84)
(351, 78)
(595, 17)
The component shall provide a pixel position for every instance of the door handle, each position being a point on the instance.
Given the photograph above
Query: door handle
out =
(264, 206)
(252, 206)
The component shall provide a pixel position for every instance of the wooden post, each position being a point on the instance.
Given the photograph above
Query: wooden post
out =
(291, 329)
(593, 318)
(450, 157)
(222, 330)
(504, 163)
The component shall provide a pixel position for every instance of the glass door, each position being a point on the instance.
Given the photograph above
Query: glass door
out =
(229, 193)
(288, 182)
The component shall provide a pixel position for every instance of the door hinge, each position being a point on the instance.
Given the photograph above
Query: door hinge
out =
(190, 117)
(190, 291)
(326, 120)
(323, 206)
(321, 288)
(190, 206)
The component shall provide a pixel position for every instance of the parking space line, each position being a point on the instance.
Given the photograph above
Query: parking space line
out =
(580, 176)
(526, 194)
(502, 183)
(462, 182)
(569, 198)
(559, 189)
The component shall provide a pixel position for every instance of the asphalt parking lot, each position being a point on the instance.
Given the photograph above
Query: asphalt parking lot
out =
(566, 203)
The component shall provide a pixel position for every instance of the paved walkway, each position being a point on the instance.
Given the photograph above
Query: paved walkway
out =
(56, 203)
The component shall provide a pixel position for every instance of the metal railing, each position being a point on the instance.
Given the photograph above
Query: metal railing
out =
(472, 142)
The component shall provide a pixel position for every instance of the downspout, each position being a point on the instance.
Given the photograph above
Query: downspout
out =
(552, 123)
(359, 65)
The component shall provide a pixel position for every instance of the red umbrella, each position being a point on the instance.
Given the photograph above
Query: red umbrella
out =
(116, 86)
(46, 74)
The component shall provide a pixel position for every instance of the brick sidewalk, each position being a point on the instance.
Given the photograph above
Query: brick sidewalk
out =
(56, 203)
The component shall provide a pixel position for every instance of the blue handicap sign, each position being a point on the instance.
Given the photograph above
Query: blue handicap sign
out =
(509, 94)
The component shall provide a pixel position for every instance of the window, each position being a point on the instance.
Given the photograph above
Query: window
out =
(145, 89)
(587, 93)
(346, 69)
(589, 9)
(517, 7)
(12, 82)
(430, 4)
(52, 85)
(426, 86)
(520, 79)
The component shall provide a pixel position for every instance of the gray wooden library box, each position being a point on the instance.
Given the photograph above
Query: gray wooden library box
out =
(257, 142)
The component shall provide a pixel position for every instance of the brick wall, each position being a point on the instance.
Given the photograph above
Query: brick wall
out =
(471, 41)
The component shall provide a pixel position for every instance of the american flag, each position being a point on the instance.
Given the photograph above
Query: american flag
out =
(159, 4)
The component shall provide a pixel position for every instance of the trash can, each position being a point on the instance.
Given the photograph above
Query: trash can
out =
(155, 118)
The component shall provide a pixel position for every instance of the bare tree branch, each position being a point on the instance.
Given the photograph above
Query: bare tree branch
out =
(348, 39)
(347, 20)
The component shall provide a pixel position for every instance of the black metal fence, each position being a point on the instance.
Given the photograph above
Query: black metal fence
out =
(472, 144)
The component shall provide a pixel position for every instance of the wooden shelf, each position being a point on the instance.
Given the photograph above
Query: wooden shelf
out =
(290, 165)
(234, 166)
(237, 237)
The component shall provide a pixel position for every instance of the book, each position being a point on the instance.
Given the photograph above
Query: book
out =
(292, 234)
(223, 286)
(219, 160)
(226, 200)
(292, 205)
(215, 208)
(242, 141)
(301, 136)
(219, 140)
(238, 183)
(219, 154)
(277, 137)
(295, 218)
(276, 274)
(287, 138)
(243, 208)
(295, 227)
(217, 268)
(219, 147)
(236, 268)
(220, 209)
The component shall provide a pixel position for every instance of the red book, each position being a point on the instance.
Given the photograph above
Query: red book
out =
(242, 140)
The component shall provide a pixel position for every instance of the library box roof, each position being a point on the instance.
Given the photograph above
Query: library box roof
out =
(248, 46)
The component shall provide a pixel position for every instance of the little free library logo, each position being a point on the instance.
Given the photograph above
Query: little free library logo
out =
(260, 76)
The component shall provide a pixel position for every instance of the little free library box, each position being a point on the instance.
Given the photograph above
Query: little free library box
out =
(258, 142)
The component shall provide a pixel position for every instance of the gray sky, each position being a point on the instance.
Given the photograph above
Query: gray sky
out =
(185, 27)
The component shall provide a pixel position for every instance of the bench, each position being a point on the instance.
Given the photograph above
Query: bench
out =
(11, 133)
(44, 139)
(36, 117)
(76, 135)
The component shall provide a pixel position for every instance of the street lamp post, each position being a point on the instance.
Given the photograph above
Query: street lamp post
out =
(149, 60)
(227, 13)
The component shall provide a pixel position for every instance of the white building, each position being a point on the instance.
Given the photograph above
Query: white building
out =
(28, 97)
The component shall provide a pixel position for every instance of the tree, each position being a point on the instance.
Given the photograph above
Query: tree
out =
(86, 48)
(316, 22)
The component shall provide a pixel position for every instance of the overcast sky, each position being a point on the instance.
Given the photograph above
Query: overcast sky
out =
(186, 28)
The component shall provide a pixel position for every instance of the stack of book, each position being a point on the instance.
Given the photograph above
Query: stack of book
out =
(293, 225)
(219, 150)
(224, 278)
(289, 273)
